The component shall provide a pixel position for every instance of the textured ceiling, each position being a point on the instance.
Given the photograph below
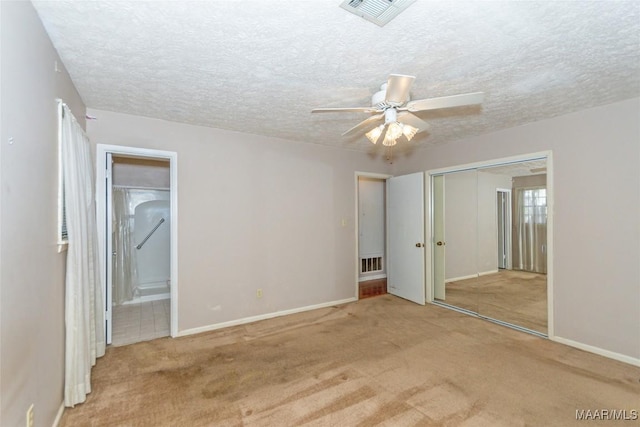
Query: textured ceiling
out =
(260, 66)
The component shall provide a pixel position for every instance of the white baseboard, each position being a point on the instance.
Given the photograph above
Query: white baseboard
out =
(262, 317)
(486, 273)
(455, 279)
(373, 277)
(56, 422)
(597, 350)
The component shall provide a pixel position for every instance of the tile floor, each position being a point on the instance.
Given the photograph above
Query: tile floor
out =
(140, 322)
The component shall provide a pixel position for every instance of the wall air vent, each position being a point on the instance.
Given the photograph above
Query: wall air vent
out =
(377, 11)
(371, 264)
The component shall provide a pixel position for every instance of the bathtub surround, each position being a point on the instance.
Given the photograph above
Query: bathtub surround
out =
(380, 361)
(141, 274)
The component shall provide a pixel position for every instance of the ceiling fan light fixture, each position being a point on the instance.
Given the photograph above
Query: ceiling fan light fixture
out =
(389, 142)
(409, 131)
(394, 131)
(375, 133)
(393, 102)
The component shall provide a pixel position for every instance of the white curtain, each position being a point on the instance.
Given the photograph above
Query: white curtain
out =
(84, 308)
(531, 230)
(124, 263)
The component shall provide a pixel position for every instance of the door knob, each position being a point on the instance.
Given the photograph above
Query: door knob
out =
(419, 245)
(440, 243)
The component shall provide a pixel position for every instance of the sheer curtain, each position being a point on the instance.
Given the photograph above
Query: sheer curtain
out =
(531, 230)
(124, 263)
(84, 308)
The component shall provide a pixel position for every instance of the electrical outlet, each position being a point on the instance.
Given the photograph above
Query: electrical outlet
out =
(259, 293)
(30, 416)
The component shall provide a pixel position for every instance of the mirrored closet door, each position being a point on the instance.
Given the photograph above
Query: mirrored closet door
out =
(489, 230)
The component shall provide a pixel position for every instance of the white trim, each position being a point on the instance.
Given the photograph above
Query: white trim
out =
(455, 279)
(266, 316)
(472, 276)
(493, 162)
(428, 239)
(139, 187)
(357, 225)
(548, 155)
(108, 278)
(597, 350)
(56, 421)
(486, 273)
(172, 156)
(372, 277)
(508, 219)
(550, 215)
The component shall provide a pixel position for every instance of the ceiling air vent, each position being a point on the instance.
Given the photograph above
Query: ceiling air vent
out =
(377, 11)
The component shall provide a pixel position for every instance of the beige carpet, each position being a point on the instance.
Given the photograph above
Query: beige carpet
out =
(516, 297)
(380, 361)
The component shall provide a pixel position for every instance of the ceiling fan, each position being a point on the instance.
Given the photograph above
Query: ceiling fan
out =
(392, 108)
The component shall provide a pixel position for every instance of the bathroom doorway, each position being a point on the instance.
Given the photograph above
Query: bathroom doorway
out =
(138, 242)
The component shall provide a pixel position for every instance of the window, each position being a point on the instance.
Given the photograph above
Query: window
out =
(534, 206)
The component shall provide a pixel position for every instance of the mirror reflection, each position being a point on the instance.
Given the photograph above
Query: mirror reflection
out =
(490, 239)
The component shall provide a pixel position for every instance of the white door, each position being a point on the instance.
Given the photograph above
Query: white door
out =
(109, 246)
(438, 238)
(405, 222)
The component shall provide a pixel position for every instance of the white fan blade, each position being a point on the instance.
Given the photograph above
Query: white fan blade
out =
(365, 124)
(445, 102)
(345, 110)
(413, 120)
(398, 87)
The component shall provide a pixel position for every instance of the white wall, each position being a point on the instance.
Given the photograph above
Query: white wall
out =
(460, 224)
(253, 212)
(488, 183)
(371, 217)
(596, 176)
(31, 269)
(471, 233)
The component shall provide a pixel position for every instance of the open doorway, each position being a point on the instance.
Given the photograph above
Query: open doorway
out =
(137, 207)
(371, 235)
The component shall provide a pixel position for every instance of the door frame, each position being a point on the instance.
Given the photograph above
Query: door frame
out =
(357, 225)
(508, 224)
(101, 213)
(548, 155)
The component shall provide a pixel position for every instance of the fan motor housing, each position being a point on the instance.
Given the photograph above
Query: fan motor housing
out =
(378, 99)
